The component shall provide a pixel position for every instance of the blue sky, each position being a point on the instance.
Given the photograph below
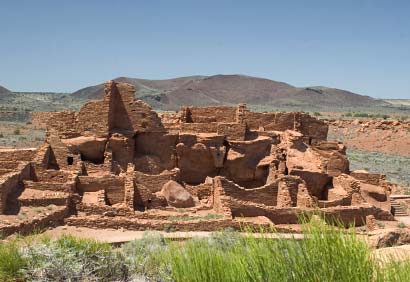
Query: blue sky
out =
(358, 45)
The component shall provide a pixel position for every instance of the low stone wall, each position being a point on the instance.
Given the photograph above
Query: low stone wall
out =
(9, 164)
(99, 222)
(232, 131)
(40, 119)
(211, 114)
(55, 176)
(266, 195)
(61, 200)
(53, 218)
(370, 178)
(16, 155)
(9, 182)
(155, 182)
(199, 127)
(202, 191)
(92, 209)
(60, 187)
(97, 183)
(350, 215)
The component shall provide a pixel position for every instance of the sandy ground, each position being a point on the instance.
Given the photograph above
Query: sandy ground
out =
(121, 236)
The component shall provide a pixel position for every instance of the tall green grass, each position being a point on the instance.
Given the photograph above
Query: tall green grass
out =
(325, 254)
(11, 262)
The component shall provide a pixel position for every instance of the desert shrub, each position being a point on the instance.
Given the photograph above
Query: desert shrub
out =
(380, 224)
(363, 115)
(1, 135)
(401, 225)
(145, 257)
(317, 114)
(16, 131)
(74, 259)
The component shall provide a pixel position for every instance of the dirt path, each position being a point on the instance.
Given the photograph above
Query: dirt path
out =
(115, 236)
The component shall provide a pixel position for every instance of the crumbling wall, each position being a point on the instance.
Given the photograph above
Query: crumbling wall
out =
(130, 114)
(309, 126)
(93, 119)
(17, 155)
(62, 122)
(370, 178)
(266, 195)
(39, 120)
(243, 158)
(219, 200)
(232, 131)
(155, 182)
(9, 183)
(164, 148)
(211, 114)
(210, 127)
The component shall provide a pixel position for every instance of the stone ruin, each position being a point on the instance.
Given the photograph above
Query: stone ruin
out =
(119, 164)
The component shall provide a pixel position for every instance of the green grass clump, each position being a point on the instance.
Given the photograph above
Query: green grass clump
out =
(11, 262)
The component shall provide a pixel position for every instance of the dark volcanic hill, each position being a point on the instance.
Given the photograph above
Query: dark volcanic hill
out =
(233, 89)
(4, 90)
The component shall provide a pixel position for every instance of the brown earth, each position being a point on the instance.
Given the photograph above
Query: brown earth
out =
(386, 136)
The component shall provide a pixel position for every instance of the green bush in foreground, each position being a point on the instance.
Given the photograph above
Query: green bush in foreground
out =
(326, 254)
(11, 262)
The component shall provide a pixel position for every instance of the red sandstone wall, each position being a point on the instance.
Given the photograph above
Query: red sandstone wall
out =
(93, 118)
(16, 155)
(210, 127)
(62, 121)
(212, 114)
(10, 181)
(266, 195)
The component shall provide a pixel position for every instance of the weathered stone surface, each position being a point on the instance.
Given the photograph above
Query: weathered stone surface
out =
(90, 147)
(390, 238)
(176, 195)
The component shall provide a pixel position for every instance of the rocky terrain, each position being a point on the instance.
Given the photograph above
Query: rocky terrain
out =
(376, 145)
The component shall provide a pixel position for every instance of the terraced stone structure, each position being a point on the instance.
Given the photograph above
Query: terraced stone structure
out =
(119, 164)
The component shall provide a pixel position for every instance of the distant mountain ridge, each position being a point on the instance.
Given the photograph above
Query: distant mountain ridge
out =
(170, 94)
(4, 90)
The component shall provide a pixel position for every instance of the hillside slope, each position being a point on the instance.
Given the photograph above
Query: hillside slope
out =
(233, 89)
(4, 91)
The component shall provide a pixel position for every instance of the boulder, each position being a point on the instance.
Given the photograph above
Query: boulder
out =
(90, 147)
(176, 195)
(389, 238)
